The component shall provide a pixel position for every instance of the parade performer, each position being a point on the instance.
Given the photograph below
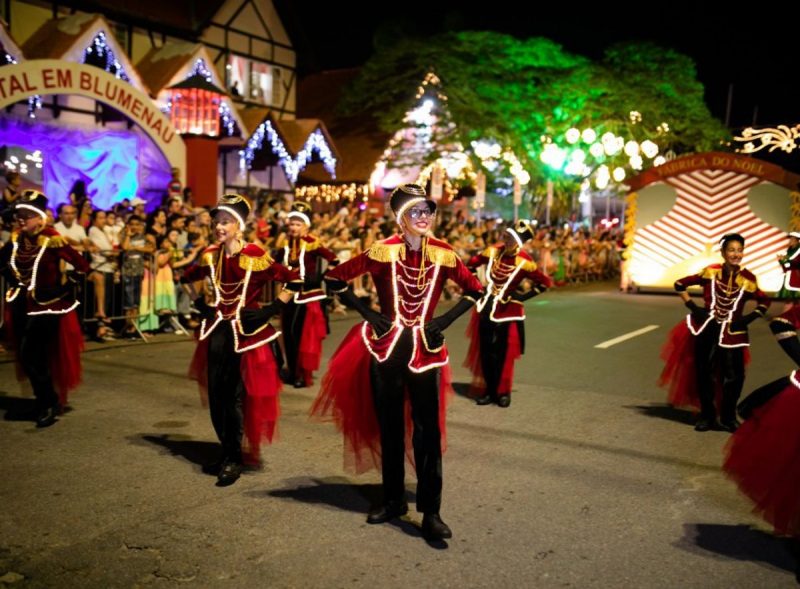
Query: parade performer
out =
(707, 351)
(398, 353)
(497, 328)
(233, 361)
(303, 320)
(43, 325)
(763, 456)
(790, 262)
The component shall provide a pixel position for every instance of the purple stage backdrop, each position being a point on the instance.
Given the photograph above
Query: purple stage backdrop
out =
(114, 164)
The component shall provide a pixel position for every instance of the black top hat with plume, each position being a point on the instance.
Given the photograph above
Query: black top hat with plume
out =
(234, 204)
(407, 195)
(32, 200)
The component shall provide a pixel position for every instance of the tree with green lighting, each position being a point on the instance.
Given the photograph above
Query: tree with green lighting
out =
(526, 94)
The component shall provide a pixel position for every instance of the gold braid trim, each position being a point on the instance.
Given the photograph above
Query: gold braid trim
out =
(441, 256)
(381, 252)
(256, 264)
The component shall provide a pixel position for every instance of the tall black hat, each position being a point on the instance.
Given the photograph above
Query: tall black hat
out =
(32, 200)
(300, 210)
(405, 196)
(521, 231)
(236, 205)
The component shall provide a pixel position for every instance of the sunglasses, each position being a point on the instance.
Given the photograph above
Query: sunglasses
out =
(417, 213)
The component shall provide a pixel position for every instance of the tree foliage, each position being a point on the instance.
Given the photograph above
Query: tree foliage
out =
(517, 91)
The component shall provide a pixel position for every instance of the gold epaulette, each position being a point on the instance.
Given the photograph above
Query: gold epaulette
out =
(527, 265)
(208, 258)
(747, 284)
(713, 271)
(491, 252)
(382, 252)
(441, 256)
(255, 263)
(314, 244)
(52, 240)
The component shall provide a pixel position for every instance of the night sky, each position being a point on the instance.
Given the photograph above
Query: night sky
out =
(755, 50)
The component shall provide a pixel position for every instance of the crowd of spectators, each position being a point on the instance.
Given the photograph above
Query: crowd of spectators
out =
(140, 256)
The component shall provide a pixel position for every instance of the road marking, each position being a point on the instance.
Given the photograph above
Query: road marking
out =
(625, 337)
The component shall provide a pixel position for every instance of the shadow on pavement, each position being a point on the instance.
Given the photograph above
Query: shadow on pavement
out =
(195, 451)
(18, 409)
(340, 493)
(739, 542)
(462, 390)
(667, 412)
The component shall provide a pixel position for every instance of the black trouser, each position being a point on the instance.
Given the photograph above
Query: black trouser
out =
(226, 391)
(711, 358)
(390, 380)
(33, 335)
(293, 317)
(494, 347)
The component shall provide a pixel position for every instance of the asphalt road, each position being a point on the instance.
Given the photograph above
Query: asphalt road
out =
(587, 480)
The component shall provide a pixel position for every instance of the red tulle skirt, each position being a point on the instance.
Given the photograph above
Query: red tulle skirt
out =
(309, 353)
(345, 398)
(63, 352)
(262, 384)
(473, 360)
(65, 356)
(678, 375)
(763, 458)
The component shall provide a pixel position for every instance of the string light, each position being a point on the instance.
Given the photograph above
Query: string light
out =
(292, 167)
(35, 101)
(101, 48)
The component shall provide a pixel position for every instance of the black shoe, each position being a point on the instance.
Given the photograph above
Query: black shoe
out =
(704, 425)
(213, 468)
(487, 399)
(504, 400)
(229, 473)
(433, 528)
(47, 417)
(383, 513)
(299, 383)
(729, 425)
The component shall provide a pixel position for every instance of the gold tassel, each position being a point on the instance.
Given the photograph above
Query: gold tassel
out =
(380, 252)
(441, 256)
(256, 264)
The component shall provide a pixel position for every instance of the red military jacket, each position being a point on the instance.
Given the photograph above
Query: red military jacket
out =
(725, 294)
(302, 254)
(504, 273)
(237, 282)
(32, 264)
(409, 284)
(791, 268)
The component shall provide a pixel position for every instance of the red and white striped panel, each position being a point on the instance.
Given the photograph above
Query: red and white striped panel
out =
(710, 203)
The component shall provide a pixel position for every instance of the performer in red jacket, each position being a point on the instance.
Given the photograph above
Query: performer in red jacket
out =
(763, 456)
(398, 352)
(45, 331)
(233, 360)
(497, 328)
(302, 320)
(710, 344)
